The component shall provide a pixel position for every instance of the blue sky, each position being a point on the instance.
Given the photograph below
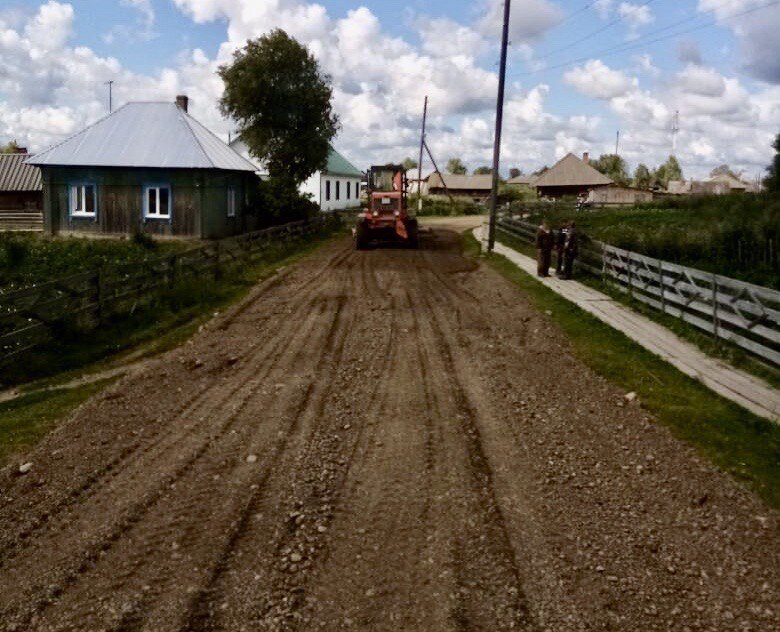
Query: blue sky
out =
(385, 56)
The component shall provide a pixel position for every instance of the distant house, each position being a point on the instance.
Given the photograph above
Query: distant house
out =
(148, 167)
(721, 184)
(521, 183)
(477, 188)
(20, 184)
(617, 195)
(570, 176)
(337, 187)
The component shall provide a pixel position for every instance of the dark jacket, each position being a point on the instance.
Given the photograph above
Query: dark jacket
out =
(544, 239)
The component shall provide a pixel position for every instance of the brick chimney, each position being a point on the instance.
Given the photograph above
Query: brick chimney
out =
(183, 101)
(585, 157)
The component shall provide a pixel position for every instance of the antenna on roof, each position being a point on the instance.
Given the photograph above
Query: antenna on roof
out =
(110, 85)
(419, 164)
(675, 131)
(617, 143)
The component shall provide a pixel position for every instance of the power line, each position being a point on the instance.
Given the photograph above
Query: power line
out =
(599, 30)
(640, 43)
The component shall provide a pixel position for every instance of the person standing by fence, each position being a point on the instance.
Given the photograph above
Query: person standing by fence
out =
(570, 250)
(544, 246)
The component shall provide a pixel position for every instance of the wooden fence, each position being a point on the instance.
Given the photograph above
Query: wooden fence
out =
(21, 221)
(744, 314)
(33, 315)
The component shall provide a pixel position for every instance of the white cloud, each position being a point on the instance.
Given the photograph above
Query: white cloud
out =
(644, 64)
(442, 37)
(528, 21)
(635, 15)
(142, 30)
(756, 31)
(595, 79)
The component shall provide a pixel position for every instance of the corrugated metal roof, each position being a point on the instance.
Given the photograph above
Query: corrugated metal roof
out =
(461, 183)
(340, 166)
(15, 175)
(145, 134)
(571, 171)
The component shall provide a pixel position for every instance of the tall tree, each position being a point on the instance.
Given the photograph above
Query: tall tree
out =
(275, 91)
(409, 163)
(670, 170)
(483, 171)
(772, 181)
(456, 167)
(642, 177)
(612, 166)
(9, 148)
(514, 172)
(724, 170)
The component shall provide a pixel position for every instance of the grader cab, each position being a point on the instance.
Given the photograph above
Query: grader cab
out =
(387, 216)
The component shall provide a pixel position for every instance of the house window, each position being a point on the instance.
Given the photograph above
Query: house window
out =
(157, 201)
(327, 190)
(83, 200)
(338, 189)
(349, 190)
(231, 202)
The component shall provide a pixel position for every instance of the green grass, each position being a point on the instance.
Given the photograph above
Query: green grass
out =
(718, 348)
(739, 442)
(733, 235)
(162, 323)
(25, 420)
(31, 258)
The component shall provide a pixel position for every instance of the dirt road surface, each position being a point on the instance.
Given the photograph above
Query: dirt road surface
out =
(379, 440)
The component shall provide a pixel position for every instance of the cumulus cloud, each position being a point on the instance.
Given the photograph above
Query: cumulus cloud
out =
(688, 52)
(142, 30)
(756, 29)
(528, 22)
(635, 15)
(595, 79)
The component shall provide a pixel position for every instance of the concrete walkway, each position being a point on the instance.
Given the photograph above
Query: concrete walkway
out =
(746, 390)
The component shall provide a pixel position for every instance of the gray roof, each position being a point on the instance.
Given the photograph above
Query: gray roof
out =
(145, 134)
(15, 175)
(461, 183)
(571, 171)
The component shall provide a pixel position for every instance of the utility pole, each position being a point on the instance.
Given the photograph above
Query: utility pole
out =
(675, 131)
(419, 164)
(617, 142)
(499, 122)
(110, 85)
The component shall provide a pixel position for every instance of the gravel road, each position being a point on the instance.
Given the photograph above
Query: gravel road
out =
(379, 440)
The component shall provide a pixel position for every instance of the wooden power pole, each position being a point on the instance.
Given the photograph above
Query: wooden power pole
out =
(499, 123)
(419, 164)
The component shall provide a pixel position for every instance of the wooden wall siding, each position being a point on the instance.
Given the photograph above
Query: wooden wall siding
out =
(21, 200)
(199, 202)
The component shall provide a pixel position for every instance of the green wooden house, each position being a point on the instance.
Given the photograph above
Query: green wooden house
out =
(149, 168)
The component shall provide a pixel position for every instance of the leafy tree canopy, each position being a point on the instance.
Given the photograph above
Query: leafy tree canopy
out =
(456, 167)
(772, 181)
(612, 166)
(409, 163)
(643, 179)
(281, 101)
(723, 170)
(9, 148)
(670, 170)
(482, 171)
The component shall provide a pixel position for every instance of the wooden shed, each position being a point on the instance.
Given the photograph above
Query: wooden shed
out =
(570, 176)
(151, 168)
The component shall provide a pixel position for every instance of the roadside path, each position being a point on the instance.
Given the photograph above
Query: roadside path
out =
(742, 388)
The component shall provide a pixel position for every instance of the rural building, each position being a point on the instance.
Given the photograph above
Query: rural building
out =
(521, 183)
(477, 188)
(721, 184)
(570, 176)
(21, 193)
(337, 187)
(618, 195)
(148, 167)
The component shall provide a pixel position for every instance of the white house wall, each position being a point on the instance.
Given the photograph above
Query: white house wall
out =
(343, 202)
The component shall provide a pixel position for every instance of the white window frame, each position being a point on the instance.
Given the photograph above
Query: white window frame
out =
(231, 201)
(157, 187)
(78, 190)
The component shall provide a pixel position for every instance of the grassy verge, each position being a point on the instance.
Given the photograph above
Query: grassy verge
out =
(739, 442)
(163, 323)
(27, 419)
(722, 349)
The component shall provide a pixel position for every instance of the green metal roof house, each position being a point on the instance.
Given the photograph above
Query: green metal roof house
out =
(337, 186)
(148, 167)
